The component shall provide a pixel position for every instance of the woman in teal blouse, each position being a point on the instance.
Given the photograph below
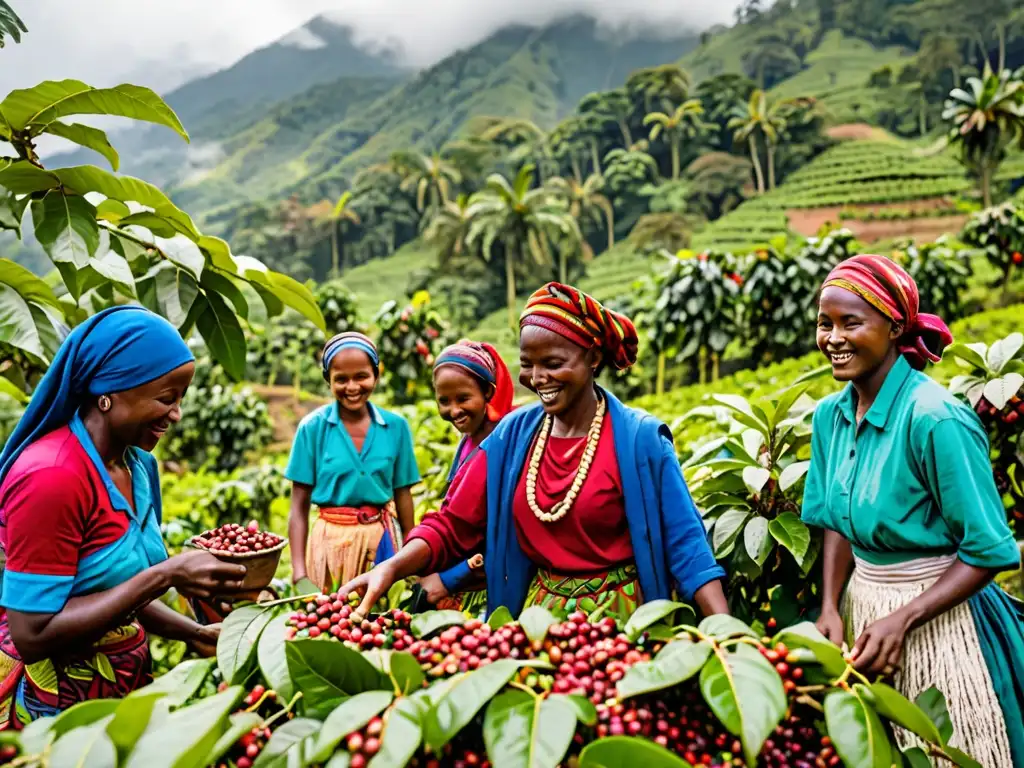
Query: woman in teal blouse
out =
(355, 462)
(901, 480)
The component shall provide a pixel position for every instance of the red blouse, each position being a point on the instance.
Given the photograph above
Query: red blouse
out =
(593, 537)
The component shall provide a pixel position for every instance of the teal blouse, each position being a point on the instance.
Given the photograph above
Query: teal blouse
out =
(323, 456)
(912, 480)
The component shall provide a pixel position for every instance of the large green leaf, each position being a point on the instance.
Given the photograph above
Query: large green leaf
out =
(933, 703)
(746, 694)
(402, 734)
(806, 635)
(186, 736)
(500, 617)
(756, 540)
(80, 715)
(858, 734)
(88, 745)
(899, 709)
(722, 626)
(26, 283)
(182, 682)
(291, 292)
(728, 529)
(66, 227)
(271, 657)
(113, 267)
(86, 136)
(348, 717)
(677, 662)
(236, 645)
(17, 326)
(182, 252)
(466, 697)
(526, 731)
(54, 99)
(218, 283)
(429, 622)
(652, 612)
(628, 752)
(223, 335)
(327, 672)
(131, 718)
(296, 737)
(24, 178)
(536, 621)
(12, 211)
(241, 724)
(791, 532)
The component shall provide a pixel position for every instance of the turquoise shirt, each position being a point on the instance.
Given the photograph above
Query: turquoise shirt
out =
(323, 456)
(912, 480)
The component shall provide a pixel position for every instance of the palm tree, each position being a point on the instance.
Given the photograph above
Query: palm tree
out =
(610, 107)
(669, 85)
(523, 219)
(340, 217)
(684, 123)
(428, 174)
(755, 119)
(448, 229)
(525, 141)
(587, 200)
(986, 117)
(10, 24)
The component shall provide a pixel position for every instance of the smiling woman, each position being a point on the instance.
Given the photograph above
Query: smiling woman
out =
(80, 521)
(581, 498)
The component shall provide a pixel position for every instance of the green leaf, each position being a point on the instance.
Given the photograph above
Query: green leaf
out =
(651, 613)
(80, 715)
(1003, 351)
(17, 326)
(677, 662)
(586, 712)
(933, 703)
(271, 657)
(999, 390)
(745, 693)
(291, 292)
(465, 699)
(12, 211)
(756, 540)
(916, 757)
(236, 645)
(223, 335)
(85, 746)
(9, 389)
(525, 731)
(727, 530)
(536, 621)
(791, 532)
(217, 283)
(23, 178)
(628, 752)
(858, 734)
(327, 672)
(961, 758)
(500, 617)
(131, 718)
(182, 682)
(112, 211)
(185, 737)
(241, 724)
(893, 705)
(402, 735)
(722, 626)
(54, 99)
(86, 136)
(963, 352)
(792, 474)
(184, 253)
(755, 478)
(114, 268)
(806, 635)
(291, 736)
(348, 717)
(66, 228)
(26, 283)
(429, 622)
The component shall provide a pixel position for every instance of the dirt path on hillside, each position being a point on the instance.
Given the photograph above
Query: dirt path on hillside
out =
(807, 221)
(287, 410)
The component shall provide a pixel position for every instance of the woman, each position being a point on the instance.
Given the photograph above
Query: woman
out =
(901, 481)
(474, 390)
(580, 499)
(80, 522)
(356, 463)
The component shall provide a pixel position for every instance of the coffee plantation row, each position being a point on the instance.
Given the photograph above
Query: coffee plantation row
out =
(438, 689)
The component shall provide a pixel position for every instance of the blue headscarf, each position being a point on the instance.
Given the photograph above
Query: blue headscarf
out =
(349, 340)
(120, 348)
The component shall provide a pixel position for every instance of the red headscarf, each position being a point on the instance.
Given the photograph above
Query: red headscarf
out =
(887, 287)
(483, 361)
(583, 320)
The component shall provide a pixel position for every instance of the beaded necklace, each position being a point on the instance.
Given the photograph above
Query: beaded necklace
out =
(561, 509)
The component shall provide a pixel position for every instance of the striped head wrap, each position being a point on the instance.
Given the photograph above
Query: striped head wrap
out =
(483, 362)
(583, 320)
(349, 340)
(888, 287)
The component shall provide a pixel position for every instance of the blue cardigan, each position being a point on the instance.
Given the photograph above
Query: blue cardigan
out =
(670, 544)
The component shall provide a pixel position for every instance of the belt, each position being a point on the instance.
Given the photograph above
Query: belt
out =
(365, 515)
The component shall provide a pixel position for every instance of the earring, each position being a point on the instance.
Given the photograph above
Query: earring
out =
(533, 383)
(104, 403)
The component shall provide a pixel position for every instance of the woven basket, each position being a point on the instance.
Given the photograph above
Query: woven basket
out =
(260, 566)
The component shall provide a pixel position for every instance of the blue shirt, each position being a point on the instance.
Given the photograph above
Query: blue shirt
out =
(324, 457)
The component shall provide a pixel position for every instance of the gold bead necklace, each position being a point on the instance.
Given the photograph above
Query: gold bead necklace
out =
(561, 509)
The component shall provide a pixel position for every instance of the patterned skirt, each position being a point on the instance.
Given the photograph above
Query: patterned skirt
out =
(615, 593)
(119, 664)
(973, 653)
(345, 542)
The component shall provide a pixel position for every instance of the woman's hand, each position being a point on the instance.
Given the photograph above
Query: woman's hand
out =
(830, 624)
(200, 574)
(880, 646)
(372, 585)
(205, 642)
(434, 588)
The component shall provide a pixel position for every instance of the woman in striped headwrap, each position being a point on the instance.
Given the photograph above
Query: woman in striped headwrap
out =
(355, 462)
(900, 479)
(474, 391)
(579, 501)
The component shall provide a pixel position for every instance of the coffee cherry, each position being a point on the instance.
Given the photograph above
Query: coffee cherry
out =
(232, 538)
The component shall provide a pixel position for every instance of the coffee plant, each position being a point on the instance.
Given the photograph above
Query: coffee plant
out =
(338, 306)
(409, 337)
(994, 387)
(999, 232)
(541, 691)
(247, 494)
(286, 351)
(697, 310)
(774, 318)
(941, 273)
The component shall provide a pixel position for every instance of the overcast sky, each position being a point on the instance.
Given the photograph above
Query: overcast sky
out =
(161, 43)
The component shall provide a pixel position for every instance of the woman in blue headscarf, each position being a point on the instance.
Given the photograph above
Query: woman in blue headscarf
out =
(80, 522)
